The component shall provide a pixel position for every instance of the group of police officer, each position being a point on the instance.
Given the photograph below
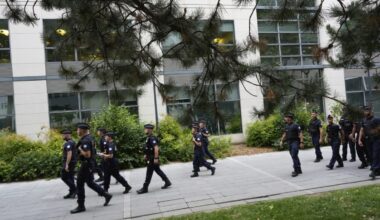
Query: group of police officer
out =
(362, 138)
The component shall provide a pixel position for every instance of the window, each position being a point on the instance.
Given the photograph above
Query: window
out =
(306, 3)
(287, 43)
(67, 109)
(227, 100)
(5, 55)
(7, 114)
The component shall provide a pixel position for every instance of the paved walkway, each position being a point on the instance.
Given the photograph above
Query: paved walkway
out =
(238, 180)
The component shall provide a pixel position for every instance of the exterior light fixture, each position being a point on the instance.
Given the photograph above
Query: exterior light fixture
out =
(61, 32)
(4, 32)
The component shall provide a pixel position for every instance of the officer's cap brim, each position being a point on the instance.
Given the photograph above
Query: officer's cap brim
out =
(83, 126)
(149, 126)
(66, 132)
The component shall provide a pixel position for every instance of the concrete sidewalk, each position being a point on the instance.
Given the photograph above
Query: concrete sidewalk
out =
(238, 180)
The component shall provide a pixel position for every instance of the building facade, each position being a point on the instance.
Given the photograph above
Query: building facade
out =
(33, 95)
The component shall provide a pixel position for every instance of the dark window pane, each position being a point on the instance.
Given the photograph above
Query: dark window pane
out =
(309, 38)
(85, 54)
(7, 122)
(290, 50)
(230, 93)
(52, 55)
(181, 113)
(270, 60)
(63, 101)
(124, 98)
(309, 49)
(231, 121)
(355, 84)
(267, 3)
(6, 105)
(291, 61)
(63, 120)
(309, 3)
(267, 26)
(264, 14)
(310, 61)
(87, 115)
(94, 100)
(5, 56)
(269, 38)
(180, 95)
(289, 38)
(269, 50)
(355, 99)
(288, 26)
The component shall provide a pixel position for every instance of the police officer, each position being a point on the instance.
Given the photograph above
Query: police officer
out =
(152, 158)
(68, 164)
(361, 151)
(111, 164)
(375, 133)
(293, 135)
(85, 148)
(334, 136)
(365, 137)
(199, 159)
(205, 134)
(315, 130)
(347, 126)
(102, 143)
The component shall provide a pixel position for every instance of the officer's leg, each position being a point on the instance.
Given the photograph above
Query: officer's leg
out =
(71, 180)
(352, 150)
(362, 156)
(369, 148)
(119, 178)
(338, 157)
(333, 157)
(81, 178)
(208, 153)
(344, 145)
(195, 162)
(160, 173)
(317, 146)
(295, 155)
(92, 185)
(376, 157)
(149, 174)
(107, 178)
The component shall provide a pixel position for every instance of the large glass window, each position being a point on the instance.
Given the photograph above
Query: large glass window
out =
(67, 109)
(305, 3)
(226, 99)
(5, 54)
(287, 43)
(7, 114)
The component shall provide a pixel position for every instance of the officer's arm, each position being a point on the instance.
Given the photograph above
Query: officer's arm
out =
(283, 137)
(69, 156)
(353, 131)
(156, 151)
(206, 134)
(85, 152)
(341, 133)
(361, 134)
(321, 132)
(300, 136)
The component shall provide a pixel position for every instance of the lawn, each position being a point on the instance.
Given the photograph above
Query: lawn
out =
(356, 203)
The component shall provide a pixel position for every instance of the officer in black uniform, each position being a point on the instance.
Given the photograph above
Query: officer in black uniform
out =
(347, 126)
(153, 160)
(85, 148)
(205, 133)
(375, 133)
(293, 135)
(101, 132)
(365, 137)
(111, 164)
(68, 164)
(199, 159)
(334, 136)
(315, 130)
(361, 151)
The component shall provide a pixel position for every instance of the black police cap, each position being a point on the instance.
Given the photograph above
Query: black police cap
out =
(103, 130)
(111, 134)
(149, 126)
(330, 117)
(83, 126)
(289, 115)
(66, 131)
(202, 121)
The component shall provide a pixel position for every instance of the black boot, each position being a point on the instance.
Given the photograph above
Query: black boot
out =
(167, 184)
(294, 173)
(363, 166)
(78, 209)
(142, 190)
(71, 195)
(213, 171)
(352, 160)
(127, 189)
(340, 165)
(194, 175)
(299, 171)
(214, 161)
(317, 160)
(108, 198)
(329, 167)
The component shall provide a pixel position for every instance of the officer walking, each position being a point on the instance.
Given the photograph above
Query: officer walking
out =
(375, 132)
(101, 132)
(205, 133)
(68, 164)
(334, 135)
(293, 135)
(361, 151)
(365, 137)
(85, 175)
(152, 158)
(315, 130)
(199, 159)
(111, 164)
(347, 127)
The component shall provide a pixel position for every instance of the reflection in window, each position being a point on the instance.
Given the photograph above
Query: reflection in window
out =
(7, 114)
(5, 56)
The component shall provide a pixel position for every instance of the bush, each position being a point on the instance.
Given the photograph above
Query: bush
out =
(130, 138)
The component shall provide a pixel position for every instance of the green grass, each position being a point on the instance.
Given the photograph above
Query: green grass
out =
(356, 203)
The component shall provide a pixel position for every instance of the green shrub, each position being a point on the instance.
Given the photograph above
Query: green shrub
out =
(5, 171)
(130, 138)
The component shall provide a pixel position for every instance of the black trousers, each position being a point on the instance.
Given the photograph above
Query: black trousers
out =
(85, 175)
(335, 146)
(99, 168)
(199, 160)
(368, 143)
(348, 143)
(111, 168)
(68, 178)
(207, 152)
(149, 173)
(361, 151)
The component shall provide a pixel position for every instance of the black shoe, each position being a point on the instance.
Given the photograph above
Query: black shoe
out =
(167, 184)
(294, 174)
(317, 160)
(352, 160)
(196, 171)
(329, 167)
(70, 196)
(363, 166)
(344, 159)
(372, 175)
(214, 161)
(108, 198)
(142, 190)
(78, 209)
(127, 189)
(339, 166)
(100, 179)
(299, 171)
(194, 175)
(213, 171)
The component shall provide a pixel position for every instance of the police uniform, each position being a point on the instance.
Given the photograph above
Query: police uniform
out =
(111, 166)
(204, 131)
(333, 131)
(150, 143)
(347, 125)
(85, 173)
(361, 151)
(199, 159)
(68, 176)
(314, 130)
(292, 132)
(368, 138)
(100, 167)
(374, 126)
